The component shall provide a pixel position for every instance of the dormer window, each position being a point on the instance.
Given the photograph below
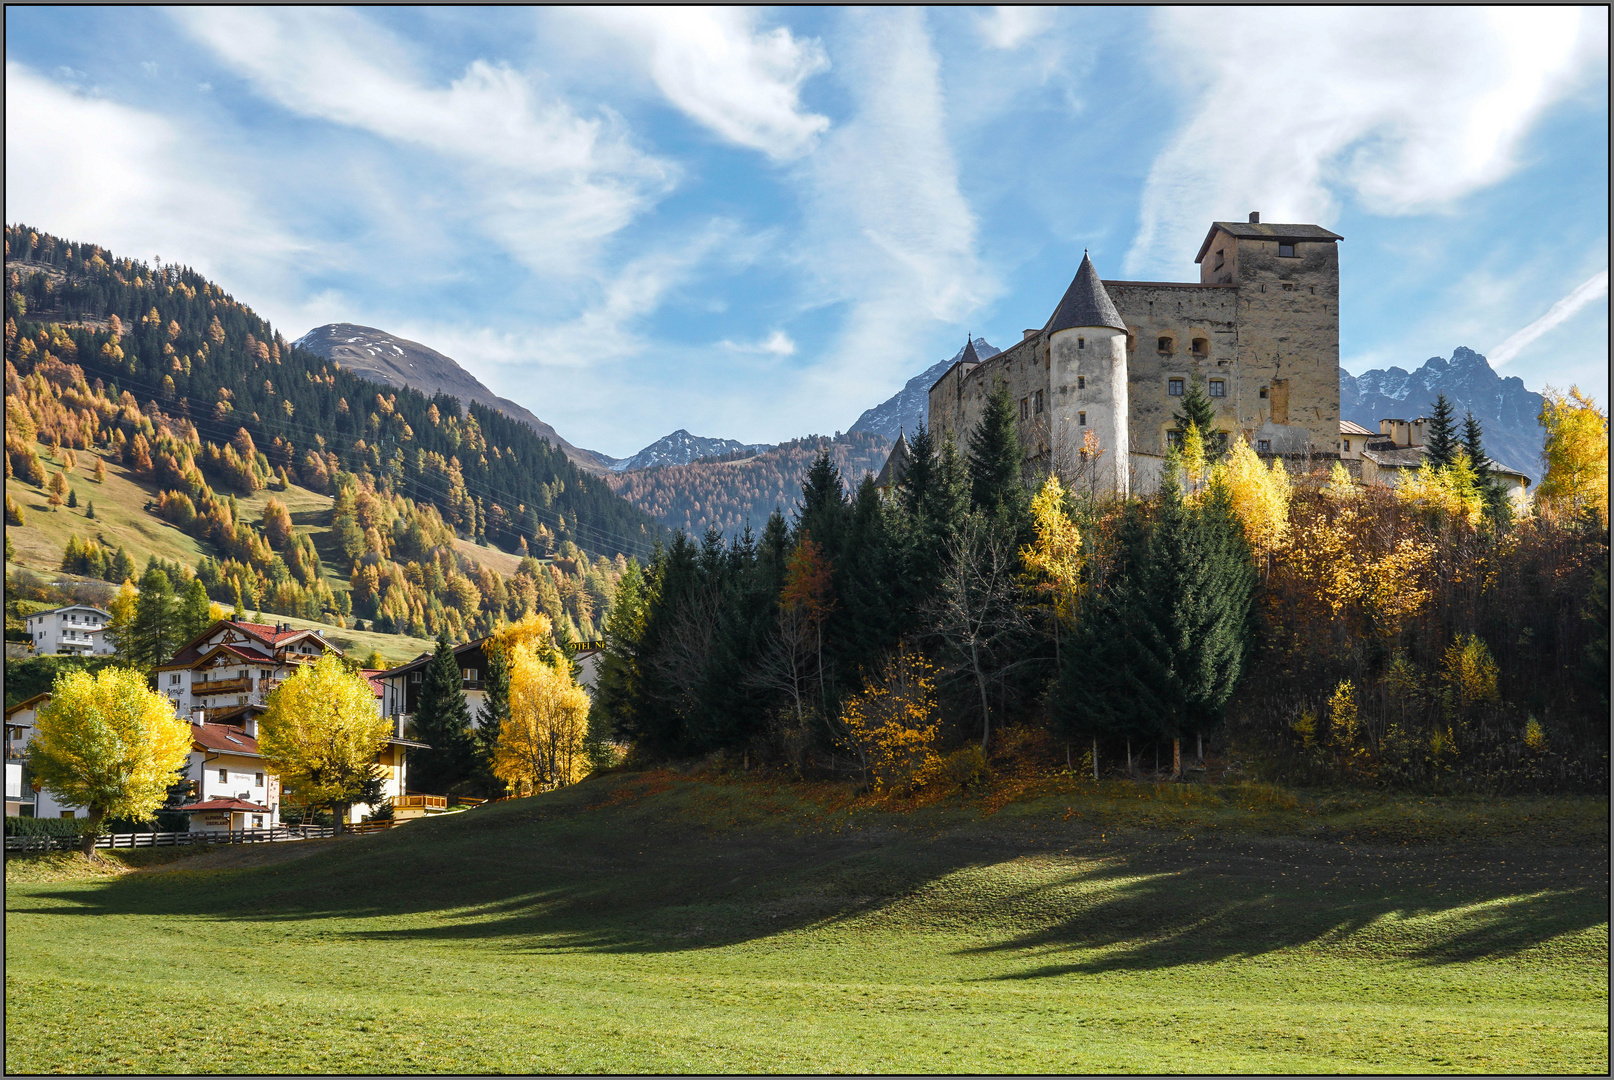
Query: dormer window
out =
(1286, 250)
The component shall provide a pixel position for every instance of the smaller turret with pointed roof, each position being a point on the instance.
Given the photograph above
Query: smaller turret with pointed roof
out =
(1085, 303)
(1088, 382)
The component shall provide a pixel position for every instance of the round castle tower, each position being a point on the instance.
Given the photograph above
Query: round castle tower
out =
(1088, 380)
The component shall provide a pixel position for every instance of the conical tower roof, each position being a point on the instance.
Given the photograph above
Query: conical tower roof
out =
(1085, 303)
(896, 465)
(970, 356)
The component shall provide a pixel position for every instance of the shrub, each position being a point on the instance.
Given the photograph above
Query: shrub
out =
(29, 826)
(966, 768)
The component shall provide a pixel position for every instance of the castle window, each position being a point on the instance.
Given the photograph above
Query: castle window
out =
(1286, 251)
(1174, 438)
(1220, 259)
(1081, 419)
(1264, 445)
(1263, 391)
(1174, 387)
(1081, 343)
(1347, 445)
(1036, 402)
(1201, 346)
(1218, 388)
(1081, 382)
(1025, 408)
(1165, 345)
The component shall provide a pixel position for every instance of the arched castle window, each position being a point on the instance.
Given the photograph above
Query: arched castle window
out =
(1201, 346)
(1166, 345)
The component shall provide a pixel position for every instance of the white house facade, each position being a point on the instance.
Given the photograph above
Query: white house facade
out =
(76, 630)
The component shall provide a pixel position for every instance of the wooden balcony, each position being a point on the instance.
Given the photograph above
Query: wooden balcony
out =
(221, 686)
(420, 802)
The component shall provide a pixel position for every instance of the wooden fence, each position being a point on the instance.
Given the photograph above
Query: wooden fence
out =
(172, 839)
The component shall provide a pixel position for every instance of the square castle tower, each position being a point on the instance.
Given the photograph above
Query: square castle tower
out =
(1260, 329)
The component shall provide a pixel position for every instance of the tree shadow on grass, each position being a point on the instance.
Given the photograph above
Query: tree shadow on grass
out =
(693, 866)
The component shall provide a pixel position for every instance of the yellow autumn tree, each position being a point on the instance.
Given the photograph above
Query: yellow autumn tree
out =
(108, 743)
(1054, 561)
(321, 733)
(1576, 454)
(119, 628)
(542, 744)
(1341, 485)
(1452, 491)
(893, 723)
(1193, 456)
(1470, 674)
(1260, 496)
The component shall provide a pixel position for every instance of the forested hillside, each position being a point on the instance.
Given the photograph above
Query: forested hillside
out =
(730, 491)
(172, 341)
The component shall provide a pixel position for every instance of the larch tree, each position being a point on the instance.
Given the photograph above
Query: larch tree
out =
(1576, 455)
(120, 627)
(100, 471)
(1054, 560)
(542, 744)
(108, 743)
(321, 732)
(276, 524)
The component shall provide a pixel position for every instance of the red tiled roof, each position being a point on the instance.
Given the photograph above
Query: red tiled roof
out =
(225, 804)
(370, 677)
(224, 739)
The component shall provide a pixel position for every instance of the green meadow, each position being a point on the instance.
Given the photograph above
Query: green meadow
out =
(666, 922)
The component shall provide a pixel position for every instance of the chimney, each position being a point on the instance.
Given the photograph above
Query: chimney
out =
(198, 716)
(1027, 335)
(249, 724)
(1255, 217)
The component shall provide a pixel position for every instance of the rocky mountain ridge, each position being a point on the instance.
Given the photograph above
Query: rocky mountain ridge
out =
(682, 448)
(909, 407)
(395, 361)
(1506, 410)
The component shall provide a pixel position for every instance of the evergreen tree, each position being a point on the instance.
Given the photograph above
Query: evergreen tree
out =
(443, 722)
(1440, 443)
(997, 488)
(494, 712)
(823, 510)
(122, 567)
(154, 634)
(72, 498)
(89, 509)
(1497, 505)
(193, 612)
(1197, 409)
(916, 483)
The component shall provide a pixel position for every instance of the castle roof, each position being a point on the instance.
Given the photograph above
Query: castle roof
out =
(1255, 230)
(896, 465)
(970, 356)
(1085, 303)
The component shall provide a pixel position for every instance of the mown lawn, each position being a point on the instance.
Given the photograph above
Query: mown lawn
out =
(658, 922)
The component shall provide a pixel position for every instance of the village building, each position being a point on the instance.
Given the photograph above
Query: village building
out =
(233, 664)
(1399, 449)
(1353, 439)
(1098, 385)
(74, 630)
(21, 800)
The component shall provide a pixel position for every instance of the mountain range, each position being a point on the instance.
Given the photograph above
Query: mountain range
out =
(910, 407)
(681, 448)
(1507, 412)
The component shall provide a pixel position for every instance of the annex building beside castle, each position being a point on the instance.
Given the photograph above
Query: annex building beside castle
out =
(1109, 368)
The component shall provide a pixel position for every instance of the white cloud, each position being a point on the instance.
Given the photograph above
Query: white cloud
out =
(720, 69)
(1408, 109)
(777, 343)
(1592, 289)
(95, 170)
(890, 235)
(1011, 27)
(548, 184)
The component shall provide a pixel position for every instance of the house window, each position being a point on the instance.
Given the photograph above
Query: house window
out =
(1263, 445)
(257, 821)
(1201, 346)
(257, 779)
(1286, 251)
(1263, 392)
(173, 680)
(1081, 343)
(1025, 408)
(67, 813)
(1164, 344)
(1081, 419)
(1081, 382)
(1347, 445)
(1218, 388)
(469, 674)
(1174, 387)
(414, 676)
(1036, 402)
(224, 776)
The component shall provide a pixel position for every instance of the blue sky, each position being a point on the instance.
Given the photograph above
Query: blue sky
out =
(757, 223)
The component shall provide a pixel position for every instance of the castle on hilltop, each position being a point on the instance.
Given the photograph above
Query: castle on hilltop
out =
(1108, 370)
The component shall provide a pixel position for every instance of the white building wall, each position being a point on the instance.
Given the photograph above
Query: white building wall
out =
(77, 629)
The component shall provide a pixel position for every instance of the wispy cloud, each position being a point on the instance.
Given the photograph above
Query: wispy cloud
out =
(550, 183)
(1011, 27)
(889, 233)
(717, 66)
(1592, 289)
(165, 196)
(1293, 106)
(777, 343)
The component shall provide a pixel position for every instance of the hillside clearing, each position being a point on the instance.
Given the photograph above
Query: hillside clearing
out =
(657, 922)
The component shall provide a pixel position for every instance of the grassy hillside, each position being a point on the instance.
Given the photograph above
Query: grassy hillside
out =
(121, 518)
(658, 922)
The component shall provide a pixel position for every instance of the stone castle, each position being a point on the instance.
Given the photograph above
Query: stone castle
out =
(1260, 330)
